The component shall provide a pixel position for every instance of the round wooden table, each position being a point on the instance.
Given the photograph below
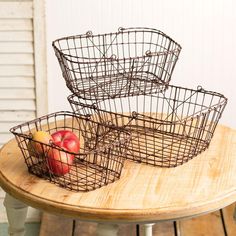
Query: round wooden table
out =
(144, 194)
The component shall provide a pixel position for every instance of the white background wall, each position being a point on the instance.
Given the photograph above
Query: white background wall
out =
(206, 29)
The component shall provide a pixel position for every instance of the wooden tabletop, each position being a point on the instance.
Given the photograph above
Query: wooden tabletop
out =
(143, 194)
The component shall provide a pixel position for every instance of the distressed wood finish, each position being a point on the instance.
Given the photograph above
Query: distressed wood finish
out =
(16, 10)
(16, 24)
(16, 70)
(40, 58)
(143, 194)
(16, 59)
(16, 47)
(17, 82)
(56, 225)
(230, 224)
(16, 36)
(210, 225)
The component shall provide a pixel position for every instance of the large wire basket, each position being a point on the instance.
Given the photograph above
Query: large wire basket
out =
(168, 128)
(129, 62)
(98, 162)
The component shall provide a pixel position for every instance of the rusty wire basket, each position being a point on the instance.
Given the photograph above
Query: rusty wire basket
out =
(98, 162)
(168, 128)
(129, 62)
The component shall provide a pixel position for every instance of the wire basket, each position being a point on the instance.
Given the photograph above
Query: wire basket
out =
(129, 62)
(98, 162)
(168, 128)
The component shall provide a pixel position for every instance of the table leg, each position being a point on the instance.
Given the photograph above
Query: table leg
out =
(107, 229)
(16, 214)
(148, 229)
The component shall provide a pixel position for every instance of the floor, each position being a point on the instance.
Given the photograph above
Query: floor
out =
(219, 223)
(32, 229)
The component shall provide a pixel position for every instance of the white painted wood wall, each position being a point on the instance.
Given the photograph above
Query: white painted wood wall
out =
(22, 70)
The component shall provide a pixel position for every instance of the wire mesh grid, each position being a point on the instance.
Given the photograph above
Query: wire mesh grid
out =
(98, 163)
(131, 61)
(168, 128)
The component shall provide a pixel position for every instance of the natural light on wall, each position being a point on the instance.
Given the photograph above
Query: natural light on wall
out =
(205, 29)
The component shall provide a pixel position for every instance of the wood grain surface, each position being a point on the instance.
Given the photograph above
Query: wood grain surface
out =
(143, 194)
(209, 225)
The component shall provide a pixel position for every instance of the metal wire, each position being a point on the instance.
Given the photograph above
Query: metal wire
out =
(129, 62)
(98, 163)
(168, 128)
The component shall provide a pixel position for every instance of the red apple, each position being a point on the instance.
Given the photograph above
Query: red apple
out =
(66, 139)
(41, 137)
(59, 161)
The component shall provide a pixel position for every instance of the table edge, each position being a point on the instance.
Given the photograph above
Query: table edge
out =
(117, 215)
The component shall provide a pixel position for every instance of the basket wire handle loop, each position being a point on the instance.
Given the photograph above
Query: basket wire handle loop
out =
(89, 33)
(88, 116)
(113, 57)
(200, 88)
(134, 114)
(144, 29)
(148, 53)
(30, 136)
(121, 29)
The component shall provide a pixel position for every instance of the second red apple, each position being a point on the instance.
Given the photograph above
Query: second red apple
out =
(66, 139)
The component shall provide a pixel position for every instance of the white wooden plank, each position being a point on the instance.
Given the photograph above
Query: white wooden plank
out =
(40, 57)
(22, 105)
(16, 59)
(6, 126)
(20, 93)
(16, 25)
(17, 82)
(16, 36)
(16, 70)
(16, 9)
(16, 47)
(16, 116)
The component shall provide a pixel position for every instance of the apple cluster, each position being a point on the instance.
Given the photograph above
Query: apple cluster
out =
(59, 161)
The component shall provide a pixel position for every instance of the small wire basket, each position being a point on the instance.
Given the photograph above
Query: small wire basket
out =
(168, 128)
(98, 162)
(129, 62)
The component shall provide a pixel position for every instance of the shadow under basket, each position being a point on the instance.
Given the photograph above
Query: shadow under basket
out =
(128, 62)
(167, 128)
(98, 162)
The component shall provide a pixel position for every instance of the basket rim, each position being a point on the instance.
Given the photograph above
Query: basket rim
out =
(63, 113)
(120, 30)
(199, 89)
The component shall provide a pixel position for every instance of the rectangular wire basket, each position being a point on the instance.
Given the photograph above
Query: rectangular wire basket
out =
(168, 128)
(98, 162)
(129, 62)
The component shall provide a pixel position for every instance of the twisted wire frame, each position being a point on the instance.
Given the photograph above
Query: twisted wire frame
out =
(98, 163)
(168, 128)
(129, 62)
